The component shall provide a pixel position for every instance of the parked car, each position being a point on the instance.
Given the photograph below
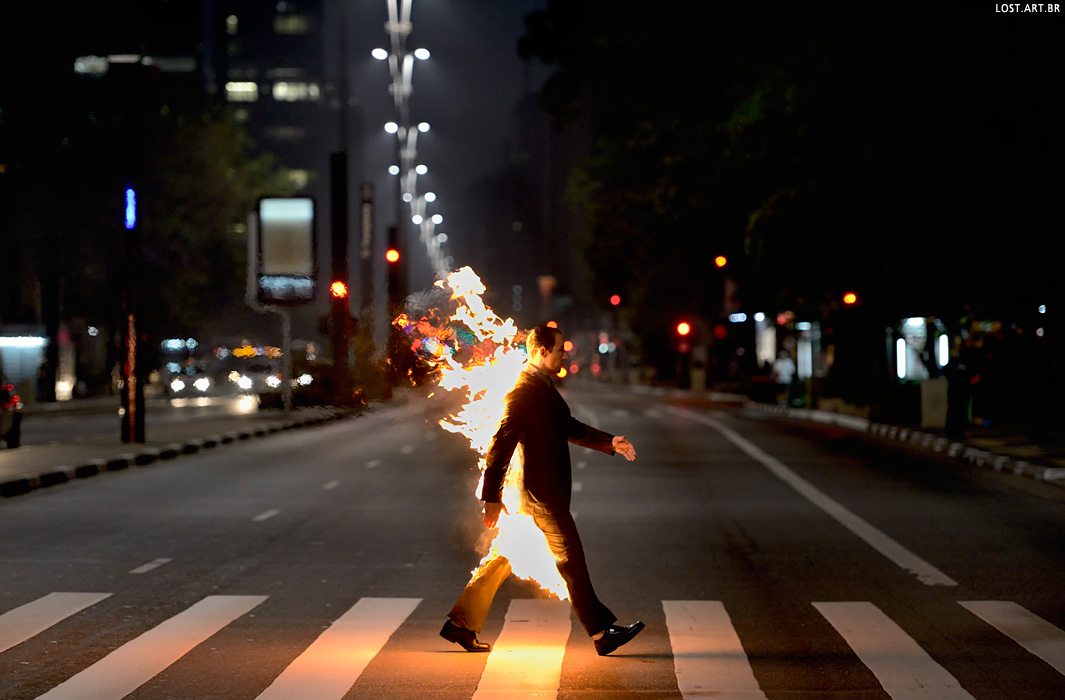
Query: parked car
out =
(10, 415)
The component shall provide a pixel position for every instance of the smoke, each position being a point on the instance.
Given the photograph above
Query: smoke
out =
(425, 302)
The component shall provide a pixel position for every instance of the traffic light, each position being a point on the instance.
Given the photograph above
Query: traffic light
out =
(850, 298)
(338, 289)
(683, 328)
(394, 270)
(721, 261)
(615, 300)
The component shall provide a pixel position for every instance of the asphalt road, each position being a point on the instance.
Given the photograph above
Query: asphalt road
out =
(769, 559)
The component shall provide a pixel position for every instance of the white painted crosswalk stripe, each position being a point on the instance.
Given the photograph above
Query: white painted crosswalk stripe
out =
(905, 670)
(29, 620)
(707, 655)
(526, 660)
(1027, 629)
(332, 664)
(130, 666)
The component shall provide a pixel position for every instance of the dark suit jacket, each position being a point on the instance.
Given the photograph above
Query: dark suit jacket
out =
(537, 418)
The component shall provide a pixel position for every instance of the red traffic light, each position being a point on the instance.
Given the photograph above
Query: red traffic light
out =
(338, 289)
(392, 255)
(721, 261)
(850, 298)
(615, 300)
(684, 328)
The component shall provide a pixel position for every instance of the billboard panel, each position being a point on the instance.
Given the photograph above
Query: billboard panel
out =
(286, 271)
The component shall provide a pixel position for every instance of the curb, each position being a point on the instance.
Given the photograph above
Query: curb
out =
(930, 441)
(53, 476)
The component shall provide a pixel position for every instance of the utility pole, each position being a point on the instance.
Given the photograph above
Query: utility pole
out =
(132, 77)
(340, 299)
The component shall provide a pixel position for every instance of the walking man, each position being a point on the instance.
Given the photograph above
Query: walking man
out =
(537, 417)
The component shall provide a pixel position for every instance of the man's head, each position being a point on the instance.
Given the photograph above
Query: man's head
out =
(545, 346)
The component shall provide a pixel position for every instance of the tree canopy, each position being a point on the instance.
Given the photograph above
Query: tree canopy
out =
(820, 154)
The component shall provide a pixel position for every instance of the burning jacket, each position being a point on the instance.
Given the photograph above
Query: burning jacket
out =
(537, 418)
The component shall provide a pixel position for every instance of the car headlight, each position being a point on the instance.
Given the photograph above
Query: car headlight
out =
(273, 381)
(203, 384)
(177, 385)
(244, 382)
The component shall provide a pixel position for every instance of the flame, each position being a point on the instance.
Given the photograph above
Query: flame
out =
(481, 355)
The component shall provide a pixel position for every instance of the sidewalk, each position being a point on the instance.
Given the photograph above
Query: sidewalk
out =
(35, 466)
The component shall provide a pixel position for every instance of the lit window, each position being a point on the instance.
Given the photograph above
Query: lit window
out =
(299, 178)
(295, 92)
(292, 24)
(243, 91)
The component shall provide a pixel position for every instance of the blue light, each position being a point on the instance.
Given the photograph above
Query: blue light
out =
(131, 208)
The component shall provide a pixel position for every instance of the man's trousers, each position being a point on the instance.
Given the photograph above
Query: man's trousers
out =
(471, 610)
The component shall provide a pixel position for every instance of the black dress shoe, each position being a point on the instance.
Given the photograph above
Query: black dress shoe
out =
(616, 636)
(465, 638)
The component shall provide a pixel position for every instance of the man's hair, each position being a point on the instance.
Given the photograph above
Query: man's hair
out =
(541, 337)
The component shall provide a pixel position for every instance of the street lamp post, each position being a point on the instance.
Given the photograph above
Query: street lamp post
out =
(401, 69)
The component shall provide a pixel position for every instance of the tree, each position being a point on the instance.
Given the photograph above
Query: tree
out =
(201, 182)
(817, 155)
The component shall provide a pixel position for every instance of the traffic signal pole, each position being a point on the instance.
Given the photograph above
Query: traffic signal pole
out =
(341, 302)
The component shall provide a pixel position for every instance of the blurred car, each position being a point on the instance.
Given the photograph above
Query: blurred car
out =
(189, 381)
(10, 415)
(256, 378)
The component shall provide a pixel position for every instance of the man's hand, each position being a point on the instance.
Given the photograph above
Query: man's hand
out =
(623, 446)
(491, 514)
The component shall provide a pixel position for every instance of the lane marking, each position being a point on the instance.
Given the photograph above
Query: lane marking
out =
(136, 662)
(582, 464)
(266, 515)
(330, 485)
(925, 572)
(1024, 627)
(578, 487)
(904, 670)
(373, 464)
(526, 660)
(153, 564)
(708, 659)
(328, 668)
(406, 450)
(29, 620)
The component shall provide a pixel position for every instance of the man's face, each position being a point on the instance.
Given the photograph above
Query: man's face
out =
(553, 360)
